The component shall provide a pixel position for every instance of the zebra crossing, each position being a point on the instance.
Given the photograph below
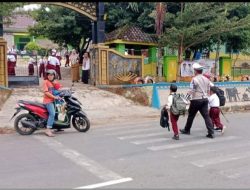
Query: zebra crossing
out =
(198, 151)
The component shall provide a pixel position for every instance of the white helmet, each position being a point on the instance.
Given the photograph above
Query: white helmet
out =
(197, 66)
(51, 71)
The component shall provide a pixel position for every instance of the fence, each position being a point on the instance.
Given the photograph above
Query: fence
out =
(232, 90)
(23, 73)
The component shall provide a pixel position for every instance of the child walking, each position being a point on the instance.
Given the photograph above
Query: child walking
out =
(173, 118)
(214, 112)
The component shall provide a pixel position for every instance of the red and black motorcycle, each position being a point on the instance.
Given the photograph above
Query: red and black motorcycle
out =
(36, 118)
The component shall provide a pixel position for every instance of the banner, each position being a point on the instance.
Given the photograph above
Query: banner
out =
(187, 67)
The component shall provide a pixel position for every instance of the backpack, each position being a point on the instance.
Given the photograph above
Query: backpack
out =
(179, 105)
(221, 95)
(164, 119)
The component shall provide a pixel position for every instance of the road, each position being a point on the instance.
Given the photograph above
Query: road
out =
(129, 155)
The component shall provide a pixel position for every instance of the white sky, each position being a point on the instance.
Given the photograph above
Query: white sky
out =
(31, 7)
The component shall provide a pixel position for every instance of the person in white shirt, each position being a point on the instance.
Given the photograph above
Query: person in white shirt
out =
(173, 118)
(214, 112)
(85, 67)
(31, 66)
(52, 61)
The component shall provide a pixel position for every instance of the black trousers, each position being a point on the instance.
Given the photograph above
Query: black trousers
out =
(200, 105)
(85, 76)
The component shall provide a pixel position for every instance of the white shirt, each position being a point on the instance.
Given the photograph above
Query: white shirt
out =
(87, 66)
(214, 101)
(170, 101)
(53, 61)
(11, 58)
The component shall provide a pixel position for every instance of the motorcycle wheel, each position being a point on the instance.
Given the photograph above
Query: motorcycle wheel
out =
(81, 123)
(24, 130)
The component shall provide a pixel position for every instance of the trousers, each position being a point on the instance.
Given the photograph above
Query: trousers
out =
(214, 114)
(200, 105)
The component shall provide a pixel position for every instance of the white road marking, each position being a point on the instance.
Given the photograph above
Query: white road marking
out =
(184, 144)
(140, 136)
(220, 159)
(179, 153)
(133, 131)
(128, 126)
(150, 141)
(105, 183)
(79, 159)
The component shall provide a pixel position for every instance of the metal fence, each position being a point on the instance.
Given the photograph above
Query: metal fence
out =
(24, 73)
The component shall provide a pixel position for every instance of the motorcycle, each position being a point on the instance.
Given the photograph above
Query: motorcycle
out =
(36, 118)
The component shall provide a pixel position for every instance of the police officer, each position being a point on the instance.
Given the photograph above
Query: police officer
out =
(199, 91)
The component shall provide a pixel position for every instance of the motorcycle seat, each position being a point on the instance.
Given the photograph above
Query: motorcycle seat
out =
(33, 103)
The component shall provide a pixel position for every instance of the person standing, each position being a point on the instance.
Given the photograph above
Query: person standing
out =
(67, 58)
(11, 64)
(200, 90)
(74, 60)
(52, 61)
(58, 64)
(85, 68)
(214, 112)
(41, 68)
(31, 67)
(173, 118)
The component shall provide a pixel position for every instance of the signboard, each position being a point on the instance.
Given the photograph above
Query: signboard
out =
(188, 71)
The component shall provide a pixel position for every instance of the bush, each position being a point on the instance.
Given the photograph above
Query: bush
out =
(32, 46)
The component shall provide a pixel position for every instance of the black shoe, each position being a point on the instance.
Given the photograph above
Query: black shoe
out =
(58, 130)
(183, 131)
(210, 136)
(176, 137)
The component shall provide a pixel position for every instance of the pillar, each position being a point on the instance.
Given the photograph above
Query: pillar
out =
(225, 66)
(3, 57)
(98, 27)
(170, 67)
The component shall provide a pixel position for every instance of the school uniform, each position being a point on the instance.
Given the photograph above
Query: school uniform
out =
(214, 112)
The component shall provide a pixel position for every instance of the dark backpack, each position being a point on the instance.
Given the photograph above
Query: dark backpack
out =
(164, 118)
(221, 95)
(179, 105)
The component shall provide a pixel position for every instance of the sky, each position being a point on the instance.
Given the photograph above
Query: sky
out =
(31, 6)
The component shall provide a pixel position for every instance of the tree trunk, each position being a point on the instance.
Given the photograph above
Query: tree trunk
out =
(179, 61)
(159, 63)
(216, 69)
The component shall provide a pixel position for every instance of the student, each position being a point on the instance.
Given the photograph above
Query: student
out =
(173, 118)
(214, 112)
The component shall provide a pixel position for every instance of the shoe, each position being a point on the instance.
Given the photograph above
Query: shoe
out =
(176, 137)
(183, 131)
(217, 129)
(58, 130)
(223, 129)
(210, 136)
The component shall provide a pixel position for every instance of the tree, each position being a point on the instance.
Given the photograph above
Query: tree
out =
(7, 10)
(190, 26)
(159, 20)
(122, 13)
(62, 26)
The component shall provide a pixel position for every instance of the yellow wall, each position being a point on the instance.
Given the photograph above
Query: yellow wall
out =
(241, 58)
(149, 69)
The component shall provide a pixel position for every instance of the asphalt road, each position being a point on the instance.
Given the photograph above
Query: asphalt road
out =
(129, 155)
